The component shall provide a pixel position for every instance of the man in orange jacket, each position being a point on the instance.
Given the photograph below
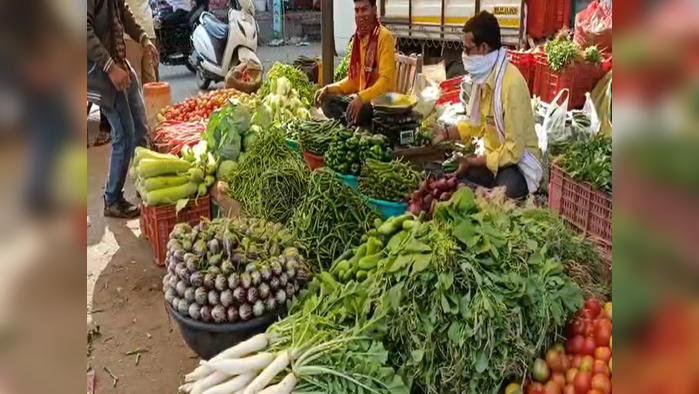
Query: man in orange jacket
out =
(371, 70)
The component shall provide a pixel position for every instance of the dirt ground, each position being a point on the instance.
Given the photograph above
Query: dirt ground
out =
(124, 285)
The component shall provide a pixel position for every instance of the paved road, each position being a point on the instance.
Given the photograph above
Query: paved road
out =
(184, 84)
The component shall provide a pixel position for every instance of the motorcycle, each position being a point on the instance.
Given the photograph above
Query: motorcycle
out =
(173, 39)
(219, 47)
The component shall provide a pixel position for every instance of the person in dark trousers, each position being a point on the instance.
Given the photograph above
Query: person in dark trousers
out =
(371, 72)
(122, 98)
(500, 113)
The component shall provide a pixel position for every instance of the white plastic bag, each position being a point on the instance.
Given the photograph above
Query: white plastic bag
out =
(554, 125)
(590, 113)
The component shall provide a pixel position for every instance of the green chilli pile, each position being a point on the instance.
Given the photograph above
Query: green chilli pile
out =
(271, 180)
(315, 137)
(331, 218)
(392, 181)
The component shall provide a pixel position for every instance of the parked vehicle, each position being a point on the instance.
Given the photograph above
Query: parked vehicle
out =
(219, 47)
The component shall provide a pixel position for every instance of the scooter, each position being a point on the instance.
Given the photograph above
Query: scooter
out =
(219, 47)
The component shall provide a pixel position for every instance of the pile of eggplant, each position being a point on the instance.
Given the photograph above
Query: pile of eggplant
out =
(229, 271)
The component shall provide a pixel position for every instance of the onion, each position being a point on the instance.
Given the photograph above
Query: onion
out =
(415, 209)
(453, 182)
(445, 196)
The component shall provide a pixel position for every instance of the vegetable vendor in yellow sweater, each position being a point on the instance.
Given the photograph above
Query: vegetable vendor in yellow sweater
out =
(500, 113)
(371, 71)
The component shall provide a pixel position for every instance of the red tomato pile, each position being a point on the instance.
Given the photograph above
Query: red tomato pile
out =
(197, 109)
(584, 364)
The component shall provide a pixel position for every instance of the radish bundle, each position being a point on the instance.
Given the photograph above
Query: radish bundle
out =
(309, 351)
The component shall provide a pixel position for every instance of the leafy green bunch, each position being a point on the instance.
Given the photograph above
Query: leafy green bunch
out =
(299, 81)
(589, 161)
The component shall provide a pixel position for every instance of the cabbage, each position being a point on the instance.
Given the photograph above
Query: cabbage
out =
(224, 130)
(249, 141)
(225, 169)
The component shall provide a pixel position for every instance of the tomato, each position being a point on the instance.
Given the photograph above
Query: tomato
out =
(602, 383)
(589, 346)
(603, 334)
(558, 347)
(576, 361)
(594, 307)
(541, 371)
(578, 328)
(604, 354)
(513, 388)
(600, 367)
(593, 391)
(569, 389)
(587, 364)
(608, 310)
(610, 366)
(559, 378)
(583, 382)
(536, 388)
(565, 361)
(588, 328)
(552, 388)
(576, 345)
(553, 360)
(570, 375)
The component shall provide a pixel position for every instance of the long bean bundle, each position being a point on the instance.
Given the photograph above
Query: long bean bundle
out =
(393, 181)
(331, 218)
(271, 179)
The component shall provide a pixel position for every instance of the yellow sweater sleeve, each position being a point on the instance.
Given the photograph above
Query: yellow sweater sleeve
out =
(467, 131)
(518, 123)
(387, 70)
(345, 87)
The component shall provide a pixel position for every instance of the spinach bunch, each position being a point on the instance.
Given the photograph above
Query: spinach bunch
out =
(589, 161)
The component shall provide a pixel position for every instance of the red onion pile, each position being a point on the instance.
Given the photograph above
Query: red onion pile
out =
(431, 192)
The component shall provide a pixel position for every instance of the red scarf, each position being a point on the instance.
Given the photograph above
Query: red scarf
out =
(369, 59)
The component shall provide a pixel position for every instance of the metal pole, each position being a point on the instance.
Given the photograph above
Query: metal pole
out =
(328, 41)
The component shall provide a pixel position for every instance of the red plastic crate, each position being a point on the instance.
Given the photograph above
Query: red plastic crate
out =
(578, 78)
(524, 61)
(546, 17)
(158, 222)
(585, 209)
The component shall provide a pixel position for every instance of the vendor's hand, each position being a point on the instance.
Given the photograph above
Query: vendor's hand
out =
(320, 95)
(439, 135)
(354, 109)
(464, 165)
(120, 77)
(151, 50)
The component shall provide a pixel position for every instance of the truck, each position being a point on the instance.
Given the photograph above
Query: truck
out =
(434, 28)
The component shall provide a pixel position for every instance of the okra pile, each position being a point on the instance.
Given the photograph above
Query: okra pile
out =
(350, 151)
(392, 181)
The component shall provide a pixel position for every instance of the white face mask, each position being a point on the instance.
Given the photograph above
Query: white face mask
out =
(479, 67)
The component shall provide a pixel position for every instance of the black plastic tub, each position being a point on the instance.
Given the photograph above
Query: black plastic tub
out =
(209, 339)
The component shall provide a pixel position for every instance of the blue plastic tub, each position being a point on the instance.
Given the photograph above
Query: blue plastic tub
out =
(293, 145)
(349, 180)
(388, 209)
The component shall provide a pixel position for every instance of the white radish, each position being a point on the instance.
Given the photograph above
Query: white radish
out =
(232, 385)
(271, 372)
(242, 366)
(201, 372)
(210, 381)
(186, 388)
(255, 344)
(286, 386)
